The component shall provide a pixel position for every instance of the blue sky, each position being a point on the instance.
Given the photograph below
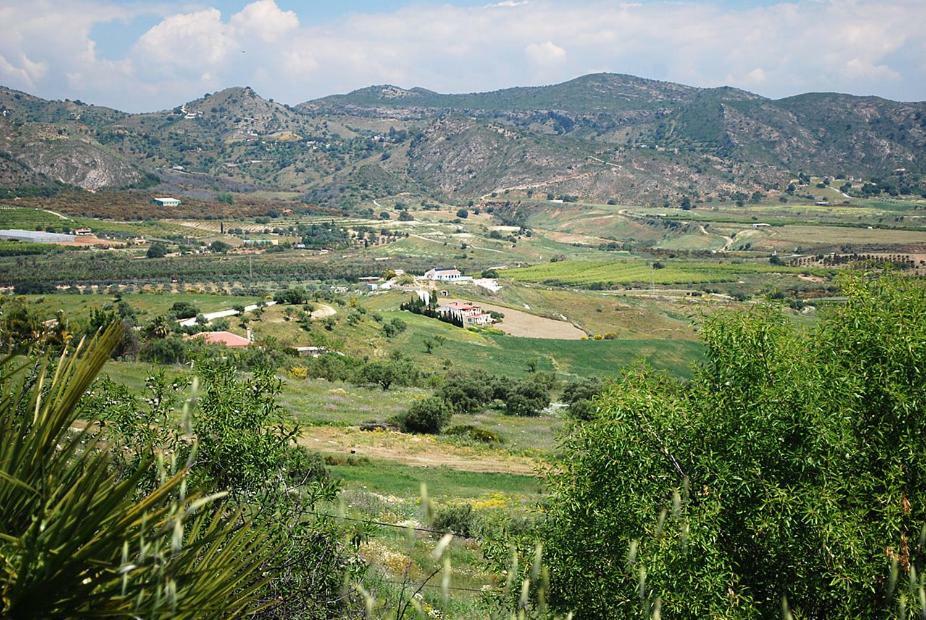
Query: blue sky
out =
(151, 55)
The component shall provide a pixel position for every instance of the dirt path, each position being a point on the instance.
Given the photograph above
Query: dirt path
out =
(535, 185)
(413, 450)
(60, 216)
(728, 241)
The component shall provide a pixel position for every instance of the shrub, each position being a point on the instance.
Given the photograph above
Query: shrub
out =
(528, 397)
(170, 350)
(183, 310)
(467, 392)
(428, 416)
(394, 327)
(303, 466)
(580, 396)
(156, 250)
(219, 247)
(458, 519)
(475, 433)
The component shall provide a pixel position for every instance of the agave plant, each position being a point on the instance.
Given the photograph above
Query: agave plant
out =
(76, 541)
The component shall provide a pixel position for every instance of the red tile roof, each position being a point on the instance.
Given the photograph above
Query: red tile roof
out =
(227, 339)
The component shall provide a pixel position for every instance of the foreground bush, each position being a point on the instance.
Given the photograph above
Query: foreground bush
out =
(789, 473)
(76, 539)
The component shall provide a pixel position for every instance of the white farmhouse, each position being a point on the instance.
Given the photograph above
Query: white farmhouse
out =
(166, 202)
(445, 274)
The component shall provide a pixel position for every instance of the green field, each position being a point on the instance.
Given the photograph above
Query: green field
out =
(30, 219)
(443, 483)
(590, 273)
(509, 355)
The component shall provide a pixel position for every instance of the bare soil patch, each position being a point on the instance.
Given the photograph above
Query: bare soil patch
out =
(413, 450)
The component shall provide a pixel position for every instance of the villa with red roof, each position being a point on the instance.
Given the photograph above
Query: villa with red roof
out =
(226, 339)
(465, 313)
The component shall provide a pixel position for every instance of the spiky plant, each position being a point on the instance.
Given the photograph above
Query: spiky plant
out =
(74, 539)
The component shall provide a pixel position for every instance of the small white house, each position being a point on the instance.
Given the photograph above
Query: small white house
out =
(444, 274)
(166, 202)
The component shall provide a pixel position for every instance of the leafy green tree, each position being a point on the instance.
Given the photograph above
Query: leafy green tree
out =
(467, 392)
(580, 396)
(183, 310)
(386, 373)
(789, 467)
(529, 397)
(156, 250)
(242, 434)
(219, 247)
(292, 296)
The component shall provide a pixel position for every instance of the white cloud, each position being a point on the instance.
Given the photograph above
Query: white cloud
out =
(860, 46)
(187, 41)
(546, 53)
(23, 69)
(265, 20)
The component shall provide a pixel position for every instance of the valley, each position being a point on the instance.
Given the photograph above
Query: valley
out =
(427, 297)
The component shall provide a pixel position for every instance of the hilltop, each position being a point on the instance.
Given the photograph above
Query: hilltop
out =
(601, 135)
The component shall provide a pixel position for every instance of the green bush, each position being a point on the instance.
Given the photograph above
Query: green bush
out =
(183, 310)
(292, 296)
(170, 350)
(458, 519)
(580, 395)
(467, 392)
(529, 397)
(475, 433)
(156, 250)
(429, 416)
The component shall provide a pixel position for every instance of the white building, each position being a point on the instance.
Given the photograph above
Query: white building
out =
(445, 274)
(166, 202)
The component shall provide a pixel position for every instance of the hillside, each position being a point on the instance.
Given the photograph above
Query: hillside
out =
(601, 136)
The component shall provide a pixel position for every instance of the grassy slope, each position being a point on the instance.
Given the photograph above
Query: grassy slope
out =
(146, 305)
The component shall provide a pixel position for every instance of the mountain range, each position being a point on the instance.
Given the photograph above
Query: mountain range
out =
(602, 136)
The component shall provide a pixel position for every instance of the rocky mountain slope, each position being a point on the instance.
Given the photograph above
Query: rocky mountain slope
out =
(602, 136)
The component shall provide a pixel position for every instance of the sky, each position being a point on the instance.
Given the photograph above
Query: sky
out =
(143, 56)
